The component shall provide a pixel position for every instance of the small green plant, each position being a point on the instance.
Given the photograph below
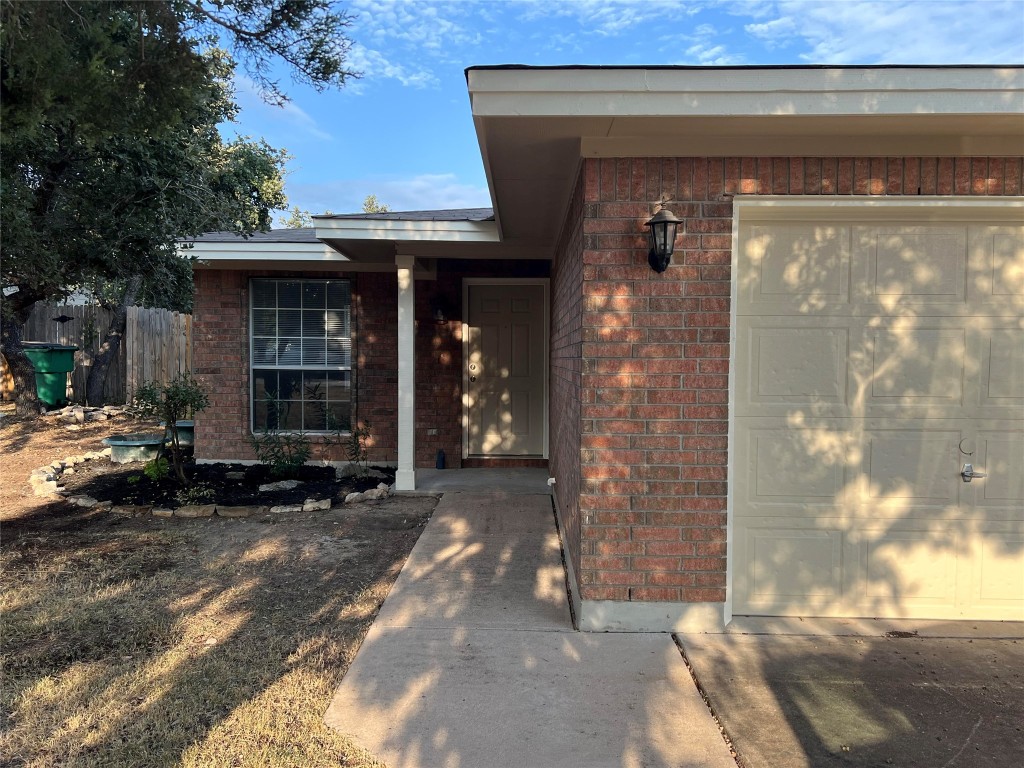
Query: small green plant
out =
(356, 448)
(156, 469)
(181, 398)
(283, 452)
(195, 494)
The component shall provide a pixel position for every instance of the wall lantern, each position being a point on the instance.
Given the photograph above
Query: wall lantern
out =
(663, 226)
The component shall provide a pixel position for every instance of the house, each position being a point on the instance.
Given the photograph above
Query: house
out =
(817, 409)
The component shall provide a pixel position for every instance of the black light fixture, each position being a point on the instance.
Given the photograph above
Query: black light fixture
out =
(663, 226)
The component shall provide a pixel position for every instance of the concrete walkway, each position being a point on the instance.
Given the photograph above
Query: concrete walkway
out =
(473, 662)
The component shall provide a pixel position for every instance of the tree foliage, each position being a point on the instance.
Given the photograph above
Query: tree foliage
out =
(110, 149)
(372, 205)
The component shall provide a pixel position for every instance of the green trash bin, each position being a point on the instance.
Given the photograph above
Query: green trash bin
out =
(53, 363)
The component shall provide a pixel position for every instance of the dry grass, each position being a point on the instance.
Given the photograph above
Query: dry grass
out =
(213, 642)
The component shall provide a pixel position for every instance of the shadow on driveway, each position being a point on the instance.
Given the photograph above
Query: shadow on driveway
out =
(937, 702)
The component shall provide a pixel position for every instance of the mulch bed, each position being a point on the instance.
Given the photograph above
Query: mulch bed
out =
(126, 484)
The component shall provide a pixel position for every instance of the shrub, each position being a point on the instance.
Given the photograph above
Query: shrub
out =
(181, 398)
(284, 453)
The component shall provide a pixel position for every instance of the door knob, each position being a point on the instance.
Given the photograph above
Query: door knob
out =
(968, 473)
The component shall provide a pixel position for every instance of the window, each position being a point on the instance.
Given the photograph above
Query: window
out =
(301, 355)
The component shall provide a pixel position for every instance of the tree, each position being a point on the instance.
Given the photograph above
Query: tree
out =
(109, 149)
(370, 205)
(297, 219)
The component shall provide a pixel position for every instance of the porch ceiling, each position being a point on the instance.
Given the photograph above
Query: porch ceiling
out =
(535, 124)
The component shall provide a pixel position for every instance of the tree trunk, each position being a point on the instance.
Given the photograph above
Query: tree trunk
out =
(16, 310)
(111, 343)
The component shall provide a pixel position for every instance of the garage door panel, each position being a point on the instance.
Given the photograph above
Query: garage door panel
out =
(790, 465)
(910, 568)
(1000, 455)
(917, 367)
(909, 265)
(997, 268)
(799, 365)
(784, 565)
(802, 266)
(1002, 368)
(909, 468)
(998, 577)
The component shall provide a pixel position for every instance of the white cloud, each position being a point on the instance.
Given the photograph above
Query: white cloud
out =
(373, 64)
(777, 30)
(427, 191)
(891, 32)
(248, 97)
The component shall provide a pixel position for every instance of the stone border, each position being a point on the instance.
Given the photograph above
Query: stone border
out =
(45, 481)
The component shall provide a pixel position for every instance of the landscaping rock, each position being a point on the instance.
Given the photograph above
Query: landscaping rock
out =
(235, 475)
(45, 488)
(284, 508)
(161, 512)
(353, 498)
(79, 415)
(196, 510)
(127, 510)
(240, 511)
(349, 470)
(316, 505)
(376, 494)
(83, 501)
(96, 416)
(280, 485)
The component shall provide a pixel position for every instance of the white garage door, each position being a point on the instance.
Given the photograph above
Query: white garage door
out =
(873, 359)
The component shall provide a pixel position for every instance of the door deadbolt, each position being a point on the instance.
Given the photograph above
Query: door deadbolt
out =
(968, 473)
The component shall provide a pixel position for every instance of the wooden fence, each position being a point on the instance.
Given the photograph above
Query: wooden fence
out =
(157, 345)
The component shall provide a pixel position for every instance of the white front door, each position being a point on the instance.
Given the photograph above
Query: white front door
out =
(873, 360)
(506, 369)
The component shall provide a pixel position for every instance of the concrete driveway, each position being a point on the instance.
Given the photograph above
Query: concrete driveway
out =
(793, 693)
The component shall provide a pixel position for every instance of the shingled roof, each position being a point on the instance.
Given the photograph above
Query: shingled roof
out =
(308, 234)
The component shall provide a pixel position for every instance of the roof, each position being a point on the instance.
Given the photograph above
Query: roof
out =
(445, 214)
(301, 235)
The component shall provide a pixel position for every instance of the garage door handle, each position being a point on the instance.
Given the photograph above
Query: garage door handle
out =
(968, 473)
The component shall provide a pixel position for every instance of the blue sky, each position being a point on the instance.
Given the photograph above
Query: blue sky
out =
(404, 130)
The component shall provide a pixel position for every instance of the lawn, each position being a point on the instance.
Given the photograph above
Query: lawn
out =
(196, 642)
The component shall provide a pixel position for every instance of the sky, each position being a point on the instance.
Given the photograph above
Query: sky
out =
(404, 131)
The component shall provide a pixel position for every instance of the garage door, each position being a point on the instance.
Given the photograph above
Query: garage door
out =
(873, 360)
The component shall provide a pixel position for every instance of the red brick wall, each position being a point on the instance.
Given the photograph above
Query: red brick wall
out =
(655, 352)
(220, 361)
(439, 369)
(565, 373)
(375, 360)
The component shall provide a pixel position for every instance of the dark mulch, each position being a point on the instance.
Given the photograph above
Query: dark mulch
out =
(128, 484)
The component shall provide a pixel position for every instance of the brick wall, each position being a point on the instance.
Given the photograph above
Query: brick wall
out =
(439, 369)
(655, 352)
(220, 361)
(565, 374)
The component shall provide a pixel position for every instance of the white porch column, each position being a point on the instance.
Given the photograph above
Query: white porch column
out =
(405, 477)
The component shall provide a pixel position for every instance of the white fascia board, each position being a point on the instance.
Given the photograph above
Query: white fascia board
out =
(247, 250)
(407, 231)
(751, 92)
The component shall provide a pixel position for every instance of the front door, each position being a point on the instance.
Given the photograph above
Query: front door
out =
(505, 369)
